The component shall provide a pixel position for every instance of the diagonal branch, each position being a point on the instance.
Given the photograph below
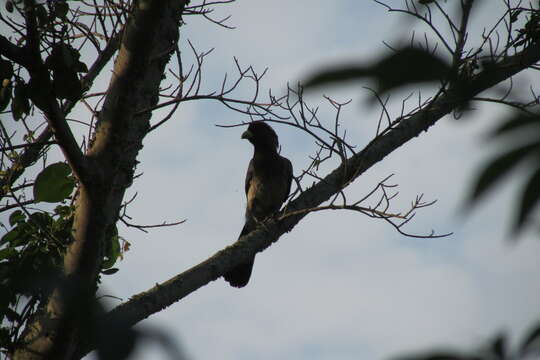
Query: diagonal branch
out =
(165, 294)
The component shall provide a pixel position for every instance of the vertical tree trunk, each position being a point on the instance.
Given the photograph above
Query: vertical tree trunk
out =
(150, 37)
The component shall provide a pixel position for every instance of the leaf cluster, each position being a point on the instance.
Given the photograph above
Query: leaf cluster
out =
(31, 253)
(496, 349)
(31, 260)
(62, 64)
(405, 66)
(521, 150)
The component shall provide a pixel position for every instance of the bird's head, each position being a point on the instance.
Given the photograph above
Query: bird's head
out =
(261, 135)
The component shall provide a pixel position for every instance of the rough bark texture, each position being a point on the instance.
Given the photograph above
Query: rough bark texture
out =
(104, 172)
(163, 295)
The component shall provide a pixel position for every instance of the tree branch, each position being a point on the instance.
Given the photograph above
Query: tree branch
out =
(149, 37)
(143, 305)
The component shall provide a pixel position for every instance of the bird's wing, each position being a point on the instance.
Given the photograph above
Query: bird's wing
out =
(289, 175)
(249, 176)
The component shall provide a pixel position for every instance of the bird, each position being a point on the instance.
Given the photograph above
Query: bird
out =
(268, 183)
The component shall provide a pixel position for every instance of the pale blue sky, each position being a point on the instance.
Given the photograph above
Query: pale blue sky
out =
(340, 286)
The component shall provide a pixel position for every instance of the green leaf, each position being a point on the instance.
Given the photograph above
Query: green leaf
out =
(54, 183)
(113, 251)
(110, 271)
(41, 219)
(20, 104)
(63, 211)
(12, 237)
(499, 167)
(529, 199)
(7, 252)
(16, 217)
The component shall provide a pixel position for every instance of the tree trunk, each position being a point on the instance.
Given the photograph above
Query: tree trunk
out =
(149, 38)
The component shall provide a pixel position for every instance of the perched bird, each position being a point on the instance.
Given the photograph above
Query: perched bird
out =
(268, 182)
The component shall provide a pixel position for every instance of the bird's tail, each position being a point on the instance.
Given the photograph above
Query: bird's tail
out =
(239, 275)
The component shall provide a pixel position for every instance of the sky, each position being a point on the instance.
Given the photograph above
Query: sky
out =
(340, 285)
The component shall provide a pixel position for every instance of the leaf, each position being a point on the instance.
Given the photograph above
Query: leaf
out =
(531, 343)
(7, 252)
(39, 90)
(16, 217)
(62, 57)
(112, 251)
(11, 315)
(436, 355)
(340, 74)
(11, 237)
(5, 337)
(109, 271)
(42, 16)
(499, 167)
(81, 67)
(498, 347)
(5, 96)
(41, 219)
(61, 10)
(63, 211)
(20, 104)
(66, 85)
(54, 183)
(514, 15)
(406, 66)
(517, 122)
(116, 341)
(529, 199)
(6, 70)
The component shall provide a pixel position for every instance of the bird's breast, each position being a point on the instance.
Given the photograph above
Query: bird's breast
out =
(265, 195)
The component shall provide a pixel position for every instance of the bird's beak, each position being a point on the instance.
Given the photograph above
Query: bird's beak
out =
(247, 135)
